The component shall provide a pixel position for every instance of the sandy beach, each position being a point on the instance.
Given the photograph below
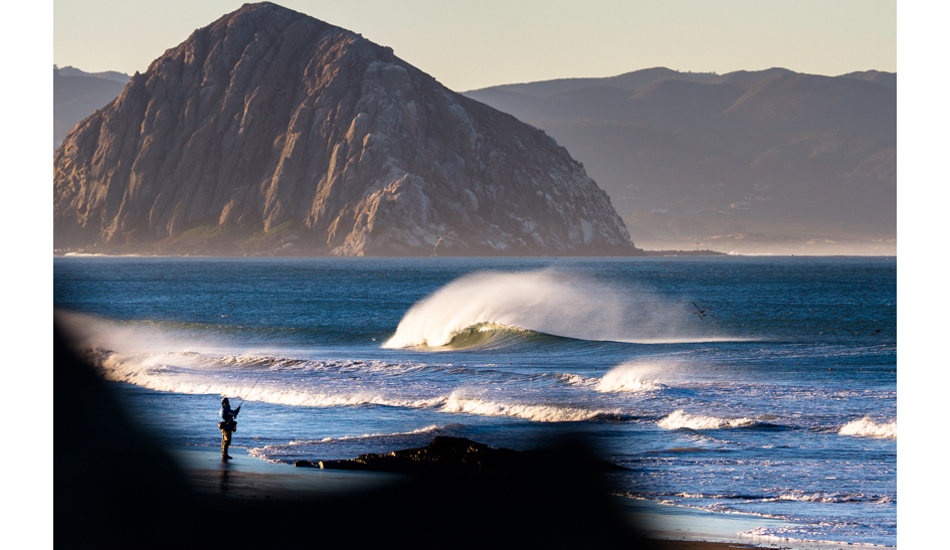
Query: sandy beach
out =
(246, 477)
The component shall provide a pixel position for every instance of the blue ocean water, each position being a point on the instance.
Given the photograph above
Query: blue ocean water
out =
(760, 385)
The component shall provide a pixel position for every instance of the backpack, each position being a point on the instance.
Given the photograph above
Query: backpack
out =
(228, 426)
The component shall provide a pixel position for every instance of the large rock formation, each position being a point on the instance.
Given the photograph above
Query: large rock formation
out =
(270, 130)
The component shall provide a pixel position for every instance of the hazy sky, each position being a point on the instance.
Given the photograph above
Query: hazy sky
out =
(468, 44)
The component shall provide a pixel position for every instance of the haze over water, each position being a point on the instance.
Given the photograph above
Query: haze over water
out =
(755, 385)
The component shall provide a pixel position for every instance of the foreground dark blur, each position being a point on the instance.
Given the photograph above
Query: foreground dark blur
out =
(114, 488)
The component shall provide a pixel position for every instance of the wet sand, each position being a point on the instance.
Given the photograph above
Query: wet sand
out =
(247, 477)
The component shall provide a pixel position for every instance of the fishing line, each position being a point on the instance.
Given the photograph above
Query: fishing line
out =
(252, 387)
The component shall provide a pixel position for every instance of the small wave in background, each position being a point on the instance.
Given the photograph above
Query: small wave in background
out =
(867, 427)
(682, 419)
(631, 377)
(530, 411)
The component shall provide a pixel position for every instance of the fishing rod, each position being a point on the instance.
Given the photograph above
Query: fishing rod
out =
(252, 387)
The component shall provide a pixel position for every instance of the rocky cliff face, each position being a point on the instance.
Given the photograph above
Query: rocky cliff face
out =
(270, 129)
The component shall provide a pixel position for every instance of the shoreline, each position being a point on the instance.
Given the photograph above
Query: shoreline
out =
(184, 483)
(670, 527)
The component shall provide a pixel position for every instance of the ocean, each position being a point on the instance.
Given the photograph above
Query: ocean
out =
(754, 385)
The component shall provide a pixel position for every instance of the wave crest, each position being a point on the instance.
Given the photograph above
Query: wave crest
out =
(681, 419)
(869, 428)
(628, 377)
(535, 412)
(488, 335)
(547, 303)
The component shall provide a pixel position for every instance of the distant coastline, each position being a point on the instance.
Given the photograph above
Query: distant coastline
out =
(77, 253)
(684, 253)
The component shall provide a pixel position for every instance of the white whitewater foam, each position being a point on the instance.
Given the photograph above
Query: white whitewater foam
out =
(548, 302)
(784, 535)
(188, 373)
(802, 496)
(682, 419)
(538, 413)
(869, 428)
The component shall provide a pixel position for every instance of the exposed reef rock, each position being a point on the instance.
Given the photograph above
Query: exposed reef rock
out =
(269, 131)
(455, 455)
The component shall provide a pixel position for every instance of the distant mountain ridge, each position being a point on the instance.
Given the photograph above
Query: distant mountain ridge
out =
(643, 78)
(271, 132)
(741, 161)
(114, 76)
(751, 161)
(77, 94)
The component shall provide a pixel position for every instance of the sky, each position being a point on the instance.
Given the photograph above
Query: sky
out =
(468, 45)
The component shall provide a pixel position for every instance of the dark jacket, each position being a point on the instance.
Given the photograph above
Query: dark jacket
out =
(228, 417)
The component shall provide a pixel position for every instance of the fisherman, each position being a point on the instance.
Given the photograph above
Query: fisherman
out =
(227, 425)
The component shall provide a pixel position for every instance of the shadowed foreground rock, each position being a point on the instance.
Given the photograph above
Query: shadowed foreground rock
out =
(457, 455)
(271, 132)
(113, 488)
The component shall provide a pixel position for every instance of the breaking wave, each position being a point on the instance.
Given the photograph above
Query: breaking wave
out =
(528, 411)
(681, 419)
(323, 384)
(157, 373)
(539, 303)
(629, 377)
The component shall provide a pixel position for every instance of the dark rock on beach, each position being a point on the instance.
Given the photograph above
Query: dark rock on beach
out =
(456, 455)
(271, 132)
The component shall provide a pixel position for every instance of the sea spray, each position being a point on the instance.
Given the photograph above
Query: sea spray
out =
(630, 377)
(141, 336)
